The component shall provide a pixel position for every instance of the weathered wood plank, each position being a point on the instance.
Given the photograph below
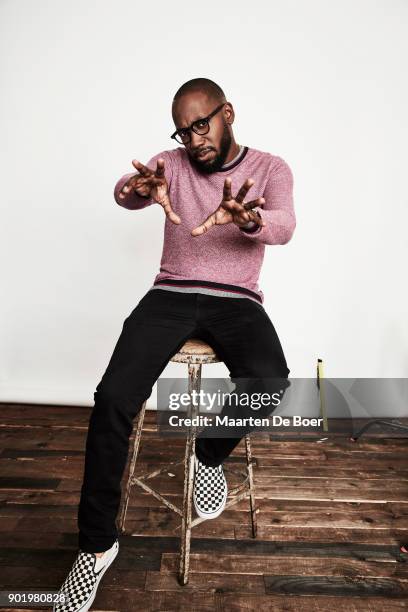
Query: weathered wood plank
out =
(208, 583)
(36, 539)
(326, 471)
(124, 600)
(139, 499)
(35, 578)
(24, 482)
(361, 519)
(329, 535)
(164, 522)
(350, 493)
(128, 559)
(338, 586)
(283, 565)
(312, 603)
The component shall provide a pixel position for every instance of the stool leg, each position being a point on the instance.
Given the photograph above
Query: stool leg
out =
(135, 452)
(251, 484)
(194, 383)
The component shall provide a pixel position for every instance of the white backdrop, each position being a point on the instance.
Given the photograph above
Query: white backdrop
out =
(87, 86)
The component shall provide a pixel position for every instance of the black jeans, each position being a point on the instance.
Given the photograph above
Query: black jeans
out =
(238, 329)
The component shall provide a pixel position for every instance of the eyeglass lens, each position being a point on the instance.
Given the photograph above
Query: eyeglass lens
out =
(200, 127)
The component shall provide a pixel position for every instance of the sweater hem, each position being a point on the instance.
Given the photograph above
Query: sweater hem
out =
(211, 287)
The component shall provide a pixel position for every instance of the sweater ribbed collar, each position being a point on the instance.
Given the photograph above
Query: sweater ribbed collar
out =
(237, 159)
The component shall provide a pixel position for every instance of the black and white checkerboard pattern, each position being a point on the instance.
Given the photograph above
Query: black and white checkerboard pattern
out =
(210, 488)
(79, 584)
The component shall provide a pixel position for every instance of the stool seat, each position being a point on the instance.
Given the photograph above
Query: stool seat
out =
(196, 351)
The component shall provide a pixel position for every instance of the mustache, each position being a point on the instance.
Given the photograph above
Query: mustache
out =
(197, 152)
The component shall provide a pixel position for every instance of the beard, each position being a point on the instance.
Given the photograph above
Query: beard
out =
(215, 164)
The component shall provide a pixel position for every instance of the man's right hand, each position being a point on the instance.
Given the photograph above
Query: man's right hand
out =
(153, 184)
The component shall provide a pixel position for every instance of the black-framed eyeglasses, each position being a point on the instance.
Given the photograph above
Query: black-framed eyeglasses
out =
(200, 126)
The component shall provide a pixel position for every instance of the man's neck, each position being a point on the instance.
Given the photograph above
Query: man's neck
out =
(233, 152)
(234, 160)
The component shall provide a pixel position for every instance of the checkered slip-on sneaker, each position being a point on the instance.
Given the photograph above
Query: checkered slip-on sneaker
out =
(210, 490)
(83, 580)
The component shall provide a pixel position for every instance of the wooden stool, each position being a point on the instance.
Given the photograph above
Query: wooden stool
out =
(195, 353)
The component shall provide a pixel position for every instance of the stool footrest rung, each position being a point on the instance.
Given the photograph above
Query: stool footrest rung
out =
(237, 493)
(157, 495)
(239, 487)
(149, 475)
(231, 502)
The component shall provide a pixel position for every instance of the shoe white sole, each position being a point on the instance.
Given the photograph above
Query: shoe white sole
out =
(208, 515)
(90, 601)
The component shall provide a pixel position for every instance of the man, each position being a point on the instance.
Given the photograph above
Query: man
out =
(207, 288)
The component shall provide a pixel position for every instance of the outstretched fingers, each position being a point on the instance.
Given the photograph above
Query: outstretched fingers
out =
(142, 169)
(244, 190)
(130, 185)
(204, 227)
(160, 168)
(170, 214)
(227, 195)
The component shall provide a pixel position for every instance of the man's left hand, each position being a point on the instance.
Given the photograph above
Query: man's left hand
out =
(232, 210)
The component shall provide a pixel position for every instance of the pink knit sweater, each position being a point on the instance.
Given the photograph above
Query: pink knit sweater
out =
(226, 255)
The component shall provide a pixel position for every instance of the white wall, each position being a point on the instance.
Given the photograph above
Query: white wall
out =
(87, 86)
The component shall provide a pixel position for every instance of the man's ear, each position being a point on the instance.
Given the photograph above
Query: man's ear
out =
(229, 113)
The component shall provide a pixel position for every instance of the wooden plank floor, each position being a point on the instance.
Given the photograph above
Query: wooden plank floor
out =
(331, 517)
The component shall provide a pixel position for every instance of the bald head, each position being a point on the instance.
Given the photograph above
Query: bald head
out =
(213, 91)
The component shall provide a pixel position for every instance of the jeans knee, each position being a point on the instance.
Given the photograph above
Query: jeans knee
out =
(115, 386)
(106, 395)
(114, 401)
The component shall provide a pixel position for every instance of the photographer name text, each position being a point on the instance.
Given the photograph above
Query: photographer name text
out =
(224, 421)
